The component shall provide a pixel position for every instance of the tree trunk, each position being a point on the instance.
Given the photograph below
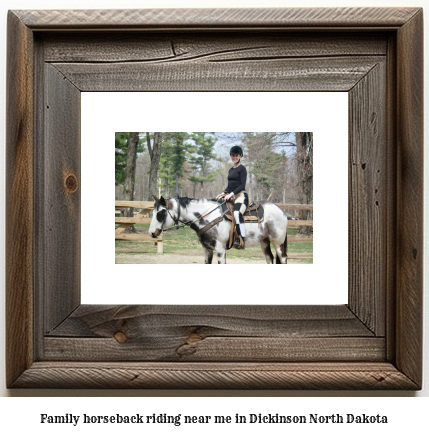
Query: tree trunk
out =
(155, 156)
(250, 185)
(202, 189)
(130, 174)
(166, 185)
(177, 184)
(304, 152)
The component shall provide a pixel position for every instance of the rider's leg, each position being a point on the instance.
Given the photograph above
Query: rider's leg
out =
(241, 202)
(239, 223)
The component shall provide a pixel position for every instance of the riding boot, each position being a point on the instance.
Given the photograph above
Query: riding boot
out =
(242, 231)
(239, 242)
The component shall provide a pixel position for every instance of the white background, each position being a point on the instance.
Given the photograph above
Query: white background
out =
(21, 413)
(319, 112)
(409, 420)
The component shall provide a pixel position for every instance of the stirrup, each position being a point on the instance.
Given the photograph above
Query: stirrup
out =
(239, 243)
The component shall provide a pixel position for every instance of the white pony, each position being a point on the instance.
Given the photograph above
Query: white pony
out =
(168, 212)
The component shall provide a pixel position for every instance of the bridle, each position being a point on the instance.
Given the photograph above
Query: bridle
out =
(178, 220)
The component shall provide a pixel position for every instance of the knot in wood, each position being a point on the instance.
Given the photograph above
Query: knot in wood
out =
(193, 338)
(70, 183)
(120, 337)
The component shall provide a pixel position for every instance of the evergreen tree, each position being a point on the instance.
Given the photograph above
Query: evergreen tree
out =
(121, 151)
(165, 166)
(181, 151)
(121, 142)
(201, 160)
(175, 153)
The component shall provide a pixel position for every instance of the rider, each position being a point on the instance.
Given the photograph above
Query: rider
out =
(236, 188)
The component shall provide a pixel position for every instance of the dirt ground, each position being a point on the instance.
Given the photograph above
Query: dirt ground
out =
(173, 259)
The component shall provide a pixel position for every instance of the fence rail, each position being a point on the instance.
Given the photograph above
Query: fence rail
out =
(295, 206)
(297, 224)
(147, 206)
(140, 218)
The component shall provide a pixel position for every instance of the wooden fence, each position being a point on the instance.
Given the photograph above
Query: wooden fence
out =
(139, 218)
(147, 206)
(296, 224)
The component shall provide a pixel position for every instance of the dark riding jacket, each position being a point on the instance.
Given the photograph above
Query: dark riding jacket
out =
(236, 180)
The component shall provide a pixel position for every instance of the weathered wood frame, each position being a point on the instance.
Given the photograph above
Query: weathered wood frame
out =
(374, 342)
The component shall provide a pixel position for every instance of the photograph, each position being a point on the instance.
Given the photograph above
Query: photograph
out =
(213, 197)
(179, 191)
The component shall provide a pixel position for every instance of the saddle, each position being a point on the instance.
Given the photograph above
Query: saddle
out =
(254, 213)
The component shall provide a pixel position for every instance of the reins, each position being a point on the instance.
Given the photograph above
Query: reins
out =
(188, 223)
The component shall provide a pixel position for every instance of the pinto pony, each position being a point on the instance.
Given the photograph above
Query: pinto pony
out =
(197, 214)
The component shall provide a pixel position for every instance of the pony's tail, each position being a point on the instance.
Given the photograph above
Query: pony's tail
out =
(285, 245)
(284, 248)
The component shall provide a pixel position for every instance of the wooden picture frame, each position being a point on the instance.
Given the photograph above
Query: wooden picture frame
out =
(373, 342)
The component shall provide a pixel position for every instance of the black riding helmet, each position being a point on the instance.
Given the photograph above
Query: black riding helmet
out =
(236, 150)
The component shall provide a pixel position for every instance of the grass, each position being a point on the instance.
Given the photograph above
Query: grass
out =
(186, 241)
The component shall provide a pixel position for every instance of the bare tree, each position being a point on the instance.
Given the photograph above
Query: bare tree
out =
(155, 155)
(304, 156)
(130, 175)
